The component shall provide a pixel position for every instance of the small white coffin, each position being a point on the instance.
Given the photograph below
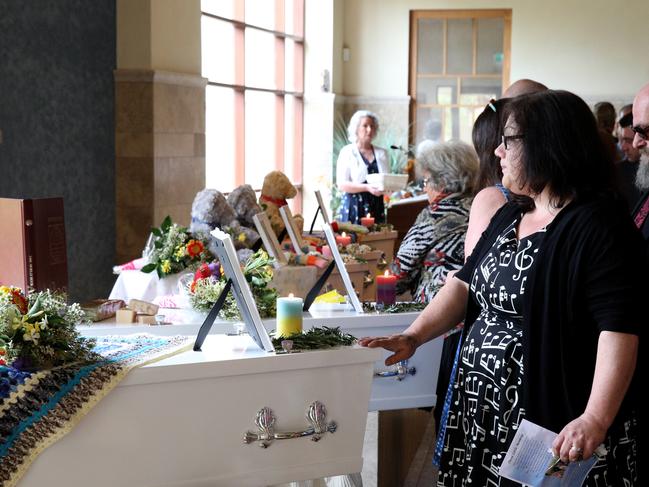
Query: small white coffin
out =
(182, 421)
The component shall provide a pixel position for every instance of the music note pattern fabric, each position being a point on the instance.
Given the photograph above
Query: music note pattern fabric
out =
(486, 407)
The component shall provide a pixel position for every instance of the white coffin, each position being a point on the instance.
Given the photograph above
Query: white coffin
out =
(181, 421)
(387, 393)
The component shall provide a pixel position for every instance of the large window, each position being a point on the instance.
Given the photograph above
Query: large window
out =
(459, 60)
(253, 59)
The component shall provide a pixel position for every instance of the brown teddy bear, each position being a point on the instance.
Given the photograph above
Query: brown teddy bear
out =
(275, 191)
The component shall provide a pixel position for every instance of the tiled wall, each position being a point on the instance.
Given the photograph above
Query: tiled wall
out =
(57, 121)
(160, 152)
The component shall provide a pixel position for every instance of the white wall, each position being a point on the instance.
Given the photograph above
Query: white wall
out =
(588, 47)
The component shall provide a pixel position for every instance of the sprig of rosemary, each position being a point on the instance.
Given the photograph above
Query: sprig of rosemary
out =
(316, 338)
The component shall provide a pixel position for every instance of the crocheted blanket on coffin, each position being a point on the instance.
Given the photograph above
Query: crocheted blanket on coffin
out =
(39, 408)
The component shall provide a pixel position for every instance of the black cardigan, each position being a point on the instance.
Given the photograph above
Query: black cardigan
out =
(588, 277)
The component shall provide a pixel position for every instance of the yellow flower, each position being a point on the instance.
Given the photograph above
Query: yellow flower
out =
(165, 266)
(180, 252)
(241, 237)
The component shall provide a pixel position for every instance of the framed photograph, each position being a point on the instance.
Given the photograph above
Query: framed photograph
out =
(291, 228)
(269, 239)
(231, 268)
(323, 208)
(351, 292)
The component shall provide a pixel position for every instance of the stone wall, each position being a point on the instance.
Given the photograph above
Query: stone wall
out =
(57, 122)
(160, 152)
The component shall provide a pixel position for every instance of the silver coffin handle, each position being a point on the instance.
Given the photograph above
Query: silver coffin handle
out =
(265, 421)
(400, 371)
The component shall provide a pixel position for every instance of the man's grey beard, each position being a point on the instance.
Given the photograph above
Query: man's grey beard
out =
(642, 174)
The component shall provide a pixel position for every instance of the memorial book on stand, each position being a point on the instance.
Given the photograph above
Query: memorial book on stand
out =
(33, 250)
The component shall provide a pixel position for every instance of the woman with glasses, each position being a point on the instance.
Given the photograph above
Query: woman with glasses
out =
(355, 162)
(552, 298)
(434, 245)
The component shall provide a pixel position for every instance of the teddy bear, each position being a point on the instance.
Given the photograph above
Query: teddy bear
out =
(243, 201)
(211, 209)
(274, 192)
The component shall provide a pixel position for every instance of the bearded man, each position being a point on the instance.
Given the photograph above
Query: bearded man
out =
(641, 134)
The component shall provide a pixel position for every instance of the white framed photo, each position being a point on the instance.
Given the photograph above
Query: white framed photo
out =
(269, 239)
(230, 264)
(292, 229)
(351, 292)
(323, 208)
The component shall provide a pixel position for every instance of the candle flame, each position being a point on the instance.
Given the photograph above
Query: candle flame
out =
(369, 215)
(290, 295)
(387, 273)
(343, 234)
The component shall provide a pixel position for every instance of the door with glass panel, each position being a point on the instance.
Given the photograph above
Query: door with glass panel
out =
(459, 60)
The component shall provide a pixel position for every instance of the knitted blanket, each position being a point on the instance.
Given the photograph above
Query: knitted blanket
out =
(39, 408)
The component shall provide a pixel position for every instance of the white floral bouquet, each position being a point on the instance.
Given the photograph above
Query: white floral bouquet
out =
(38, 330)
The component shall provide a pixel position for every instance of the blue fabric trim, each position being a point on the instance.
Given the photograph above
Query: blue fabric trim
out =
(439, 443)
(56, 398)
(506, 193)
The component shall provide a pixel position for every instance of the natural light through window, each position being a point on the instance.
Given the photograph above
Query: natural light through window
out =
(253, 59)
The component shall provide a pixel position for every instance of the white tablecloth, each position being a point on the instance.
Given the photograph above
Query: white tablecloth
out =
(139, 285)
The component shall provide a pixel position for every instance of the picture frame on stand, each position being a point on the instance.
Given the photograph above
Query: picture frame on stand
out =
(269, 239)
(293, 231)
(351, 292)
(245, 301)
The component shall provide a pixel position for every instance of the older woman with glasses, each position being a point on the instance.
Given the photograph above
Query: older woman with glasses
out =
(434, 245)
(552, 298)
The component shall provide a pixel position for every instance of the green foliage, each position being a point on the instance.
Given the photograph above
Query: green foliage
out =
(258, 272)
(316, 338)
(44, 333)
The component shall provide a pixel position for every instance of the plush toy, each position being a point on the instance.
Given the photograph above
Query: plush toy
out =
(243, 201)
(211, 209)
(275, 191)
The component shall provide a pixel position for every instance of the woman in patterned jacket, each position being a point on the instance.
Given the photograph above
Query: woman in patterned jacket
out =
(434, 245)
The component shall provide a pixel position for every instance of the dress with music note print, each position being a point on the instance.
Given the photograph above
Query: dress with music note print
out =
(486, 406)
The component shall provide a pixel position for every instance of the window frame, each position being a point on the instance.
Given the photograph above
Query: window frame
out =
(446, 15)
(240, 89)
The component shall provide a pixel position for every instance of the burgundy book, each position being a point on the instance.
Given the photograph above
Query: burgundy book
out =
(33, 251)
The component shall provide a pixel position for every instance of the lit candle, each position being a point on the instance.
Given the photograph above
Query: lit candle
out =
(343, 239)
(326, 251)
(289, 315)
(368, 221)
(386, 288)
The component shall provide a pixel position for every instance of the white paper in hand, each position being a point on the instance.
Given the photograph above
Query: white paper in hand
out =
(529, 457)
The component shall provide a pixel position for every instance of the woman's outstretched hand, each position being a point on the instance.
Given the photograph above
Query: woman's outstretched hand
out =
(403, 346)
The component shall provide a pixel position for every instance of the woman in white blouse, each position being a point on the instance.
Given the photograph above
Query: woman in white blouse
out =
(355, 162)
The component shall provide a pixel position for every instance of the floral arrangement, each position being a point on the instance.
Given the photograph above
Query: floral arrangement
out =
(209, 282)
(38, 330)
(174, 250)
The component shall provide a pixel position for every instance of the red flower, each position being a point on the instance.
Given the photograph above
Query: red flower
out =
(202, 272)
(194, 247)
(19, 300)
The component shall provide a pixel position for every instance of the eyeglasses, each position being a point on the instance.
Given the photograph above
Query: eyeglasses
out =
(643, 132)
(505, 138)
